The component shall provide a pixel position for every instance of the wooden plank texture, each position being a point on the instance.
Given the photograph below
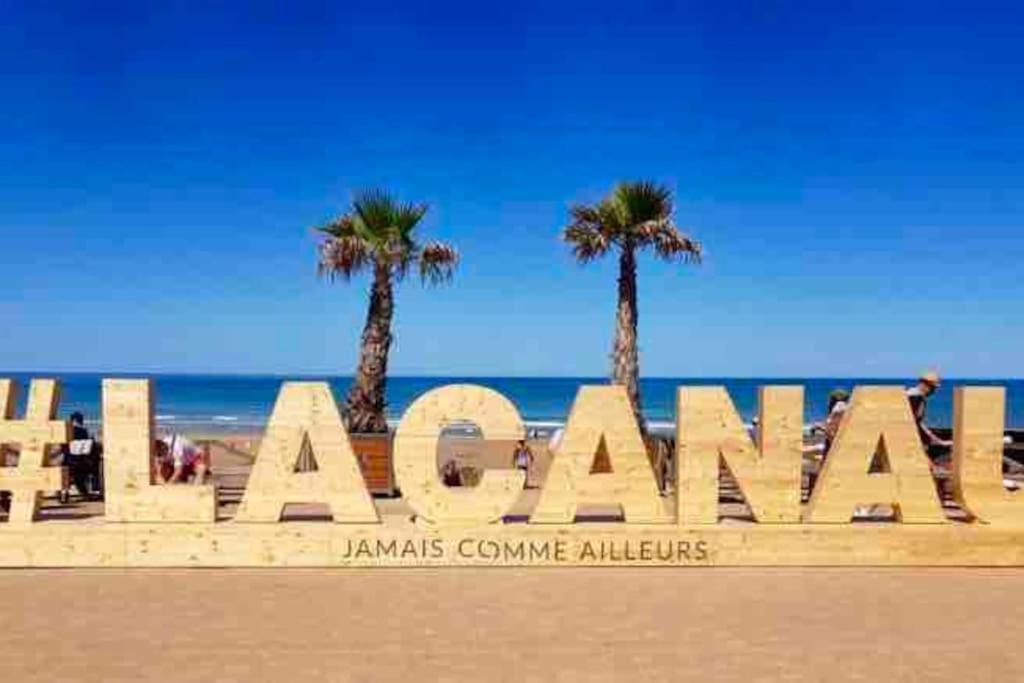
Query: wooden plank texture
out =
(710, 431)
(173, 526)
(323, 544)
(131, 494)
(878, 420)
(600, 415)
(978, 424)
(415, 455)
(35, 434)
(305, 415)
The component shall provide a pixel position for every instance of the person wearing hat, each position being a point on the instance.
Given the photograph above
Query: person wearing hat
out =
(927, 384)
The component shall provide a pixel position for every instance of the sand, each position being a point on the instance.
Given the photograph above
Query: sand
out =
(515, 625)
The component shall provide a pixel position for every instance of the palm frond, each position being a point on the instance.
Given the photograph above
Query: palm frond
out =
(586, 215)
(634, 215)
(588, 242)
(376, 210)
(342, 226)
(668, 241)
(380, 230)
(638, 202)
(407, 217)
(342, 257)
(437, 261)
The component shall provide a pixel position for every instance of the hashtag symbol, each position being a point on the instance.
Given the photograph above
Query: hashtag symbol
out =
(34, 435)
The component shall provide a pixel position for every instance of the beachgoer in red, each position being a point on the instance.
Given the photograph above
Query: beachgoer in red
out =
(178, 460)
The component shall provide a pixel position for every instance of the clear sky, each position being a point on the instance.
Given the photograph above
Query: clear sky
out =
(853, 169)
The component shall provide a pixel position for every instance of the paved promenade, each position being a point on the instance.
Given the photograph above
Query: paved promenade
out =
(514, 625)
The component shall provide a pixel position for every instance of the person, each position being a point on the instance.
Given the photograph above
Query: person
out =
(663, 465)
(927, 384)
(936, 448)
(78, 430)
(81, 457)
(450, 474)
(522, 460)
(178, 460)
(838, 402)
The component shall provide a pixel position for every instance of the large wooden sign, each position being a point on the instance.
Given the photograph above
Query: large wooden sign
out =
(149, 524)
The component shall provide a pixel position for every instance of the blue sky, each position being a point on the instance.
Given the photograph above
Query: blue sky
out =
(854, 171)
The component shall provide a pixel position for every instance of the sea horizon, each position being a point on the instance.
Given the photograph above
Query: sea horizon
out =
(241, 403)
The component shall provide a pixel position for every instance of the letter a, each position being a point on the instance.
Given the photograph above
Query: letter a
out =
(600, 414)
(878, 420)
(306, 412)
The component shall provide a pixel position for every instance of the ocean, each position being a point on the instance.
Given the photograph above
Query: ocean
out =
(219, 403)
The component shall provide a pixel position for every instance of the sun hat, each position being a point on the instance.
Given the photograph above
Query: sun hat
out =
(839, 394)
(930, 377)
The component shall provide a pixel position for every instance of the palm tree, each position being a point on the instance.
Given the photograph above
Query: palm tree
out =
(377, 234)
(633, 217)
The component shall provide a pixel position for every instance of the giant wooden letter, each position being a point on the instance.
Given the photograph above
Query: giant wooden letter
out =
(131, 495)
(878, 419)
(305, 413)
(34, 434)
(768, 473)
(978, 423)
(600, 415)
(415, 455)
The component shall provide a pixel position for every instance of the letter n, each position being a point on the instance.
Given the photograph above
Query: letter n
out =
(601, 416)
(710, 432)
(306, 416)
(878, 422)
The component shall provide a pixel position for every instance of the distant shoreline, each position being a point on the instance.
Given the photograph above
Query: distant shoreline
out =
(232, 405)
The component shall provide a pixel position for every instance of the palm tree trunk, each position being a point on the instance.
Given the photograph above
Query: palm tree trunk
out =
(366, 405)
(625, 359)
